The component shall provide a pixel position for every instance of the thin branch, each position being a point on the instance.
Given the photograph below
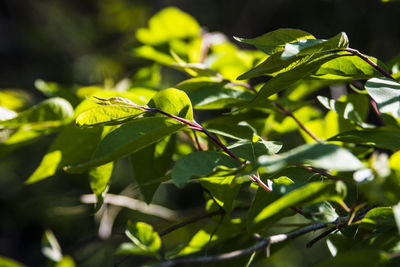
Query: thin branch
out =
(325, 233)
(189, 221)
(263, 243)
(196, 140)
(321, 172)
(369, 61)
(290, 114)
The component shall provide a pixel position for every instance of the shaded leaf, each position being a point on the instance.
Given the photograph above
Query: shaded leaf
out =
(275, 41)
(251, 151)
(364, 257)
(320, 212)
(144, 240)
(199, 164)
(385, 137)
(51, 89)
(386, 94)
(7, 262)
(324, 156)
(379, 216)
(150, 164)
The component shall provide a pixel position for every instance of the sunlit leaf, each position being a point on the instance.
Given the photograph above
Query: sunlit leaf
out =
(7, 262)
(150, 53)
(324, 156)
(168, 24)
(309, 194)
(275, 41)
(144, 240)
(49, 113)
(128, 139)
(99, 180)
(386, 94)
(173, 101)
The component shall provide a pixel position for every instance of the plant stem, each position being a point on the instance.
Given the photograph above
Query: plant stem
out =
(321, 172)
(290, 114)
(262, 243)
(366, 59)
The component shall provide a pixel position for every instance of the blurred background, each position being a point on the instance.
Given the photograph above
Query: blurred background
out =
(87, 42)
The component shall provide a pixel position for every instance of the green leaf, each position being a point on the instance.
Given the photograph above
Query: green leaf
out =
(363, 257)
(15, 99)
(150, 164)
(320, 212)
(50, 247)
(310, 46)
(346, 69)
(99, 180)
(73, 145)
(223, 190)
(212, 93)
(107, 115)
(309, 194)
(344, 109)
(380, 216)
(51, 89)
(145, 241)
(66, 261)
(275, 41)
(173, 101)
(386, 94)
(284, 80)
(52, 112)
(199, 164)
(324, 156)
(7, 262)
(194, 69)
(251, 151)
(168, 24)
(150, 53)
(387, 137)
(128, 139)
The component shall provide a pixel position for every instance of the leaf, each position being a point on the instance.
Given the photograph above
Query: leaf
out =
(15, 99)
(380, 216)
(275, 41)
(324, 156)
(387, 137)
(150, 164)
(150, 53)
(107, 115)
(52, 112)
(50, 247)
(51, 89)
(386, 94)
(310, 46)
(283, 80)
(128, 139)
(346, 69)
(173, 101)
(361, 257)
(199, 164)
(309, 194)
(194, 69)
(344, 109)
(222, 189)
(66, 261)
(71, 146)
(251, 151)
(7, 262)
(145, 241)
(99, 180)
(320, 212)
(212, 93)
(168, 24)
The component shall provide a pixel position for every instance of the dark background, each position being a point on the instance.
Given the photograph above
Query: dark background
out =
(84, 42)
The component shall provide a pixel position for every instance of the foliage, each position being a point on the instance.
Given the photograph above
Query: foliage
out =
(272, 153)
